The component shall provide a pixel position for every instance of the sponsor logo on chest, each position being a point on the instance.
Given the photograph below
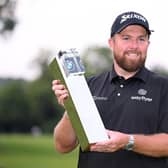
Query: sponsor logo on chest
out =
(142, 96)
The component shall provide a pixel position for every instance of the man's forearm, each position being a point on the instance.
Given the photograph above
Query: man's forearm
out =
(64, 135)
(152, 145)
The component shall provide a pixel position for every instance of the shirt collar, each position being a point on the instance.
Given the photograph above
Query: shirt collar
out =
(142, 74)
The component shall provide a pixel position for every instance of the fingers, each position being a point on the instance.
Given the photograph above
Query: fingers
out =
(60, 91)
(116, 141)
(58, 88)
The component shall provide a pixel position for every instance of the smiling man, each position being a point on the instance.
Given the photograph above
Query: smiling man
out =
(134, 109)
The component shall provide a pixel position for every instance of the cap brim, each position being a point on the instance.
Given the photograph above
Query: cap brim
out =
(126, 25)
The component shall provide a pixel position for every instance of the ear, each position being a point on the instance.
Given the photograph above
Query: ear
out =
(111, 43)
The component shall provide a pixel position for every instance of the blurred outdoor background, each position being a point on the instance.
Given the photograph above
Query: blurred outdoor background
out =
(28, 108)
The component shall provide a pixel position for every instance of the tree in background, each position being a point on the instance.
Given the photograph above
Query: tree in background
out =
(7, 16)
(160, 70)
(14, 107)
(97, 59)
(44, 107)
(28, 104)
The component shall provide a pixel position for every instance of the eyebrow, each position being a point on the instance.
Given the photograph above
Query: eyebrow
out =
(144, 36)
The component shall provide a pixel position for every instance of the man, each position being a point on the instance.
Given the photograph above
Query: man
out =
(135, 111)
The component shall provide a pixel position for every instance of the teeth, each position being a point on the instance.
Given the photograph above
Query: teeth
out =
(132, 55)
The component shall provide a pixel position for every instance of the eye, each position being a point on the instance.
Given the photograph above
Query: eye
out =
(125, 37)
(143, 39)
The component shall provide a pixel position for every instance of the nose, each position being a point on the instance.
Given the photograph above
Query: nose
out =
(134, 44)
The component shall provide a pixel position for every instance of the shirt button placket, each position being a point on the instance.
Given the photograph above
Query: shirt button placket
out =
(119, 94)
(121, 86)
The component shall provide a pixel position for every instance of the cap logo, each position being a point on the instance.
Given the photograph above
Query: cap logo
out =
(131, 16)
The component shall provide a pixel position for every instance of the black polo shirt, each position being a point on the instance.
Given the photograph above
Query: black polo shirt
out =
(136, 105)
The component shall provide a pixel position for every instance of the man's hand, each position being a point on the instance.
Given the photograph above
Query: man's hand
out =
(117, 141)
(60, 91)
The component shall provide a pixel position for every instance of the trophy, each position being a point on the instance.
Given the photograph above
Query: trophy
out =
(80, 106)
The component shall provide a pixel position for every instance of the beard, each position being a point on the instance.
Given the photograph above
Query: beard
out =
(129, 65)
